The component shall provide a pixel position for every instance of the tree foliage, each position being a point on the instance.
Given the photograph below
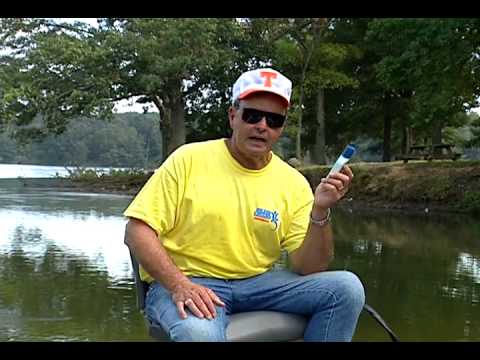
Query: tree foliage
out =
(434, 60)
(67, 71)
(384, 79)
(128, 140)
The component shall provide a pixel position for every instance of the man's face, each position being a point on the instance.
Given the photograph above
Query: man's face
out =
(258, 138)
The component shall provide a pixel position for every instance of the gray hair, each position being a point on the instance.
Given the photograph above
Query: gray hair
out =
(236, 103)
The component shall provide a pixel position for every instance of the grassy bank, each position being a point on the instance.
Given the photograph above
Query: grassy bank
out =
(417, 185)
(118, 181)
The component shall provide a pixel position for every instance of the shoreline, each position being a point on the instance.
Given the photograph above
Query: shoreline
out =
(417, 187)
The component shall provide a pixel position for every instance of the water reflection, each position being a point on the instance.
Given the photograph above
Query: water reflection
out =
(420, 272)
(53, 201)
(8, 171)
(96, 237)
(54, 295)
(12, 171)
(65, 272)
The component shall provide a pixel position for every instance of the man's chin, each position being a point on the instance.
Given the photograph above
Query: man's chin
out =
(258, 148)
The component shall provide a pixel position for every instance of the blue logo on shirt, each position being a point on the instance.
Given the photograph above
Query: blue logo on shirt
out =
(267, 216)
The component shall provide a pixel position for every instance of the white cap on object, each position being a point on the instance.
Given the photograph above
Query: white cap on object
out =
(268, 80)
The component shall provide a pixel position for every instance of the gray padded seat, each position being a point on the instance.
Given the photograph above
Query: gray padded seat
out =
(247, 326)
(254, 326)
(266, 326)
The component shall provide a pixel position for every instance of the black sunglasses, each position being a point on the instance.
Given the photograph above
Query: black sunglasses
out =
(253, 116)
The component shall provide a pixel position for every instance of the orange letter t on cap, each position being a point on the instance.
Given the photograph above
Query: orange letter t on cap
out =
(268, 77)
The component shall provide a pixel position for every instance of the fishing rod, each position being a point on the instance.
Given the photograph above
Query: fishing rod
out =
(382, 322)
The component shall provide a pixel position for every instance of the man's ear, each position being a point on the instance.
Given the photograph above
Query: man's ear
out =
(232, 111)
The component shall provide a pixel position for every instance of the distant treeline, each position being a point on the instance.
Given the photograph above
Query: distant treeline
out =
(128, 140)
(134, 140)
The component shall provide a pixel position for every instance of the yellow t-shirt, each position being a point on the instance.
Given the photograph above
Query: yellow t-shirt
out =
(218, 219)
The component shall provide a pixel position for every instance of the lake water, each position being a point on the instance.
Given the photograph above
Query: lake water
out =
(65, 273)
(11, 171)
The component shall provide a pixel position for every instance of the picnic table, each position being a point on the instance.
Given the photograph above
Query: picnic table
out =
(430, 152)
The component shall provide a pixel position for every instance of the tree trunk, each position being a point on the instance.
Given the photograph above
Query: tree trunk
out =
(437, 133)
(405, 139)
(178, 131)
(298, 143)
(387, 131)
(165, 130)
(172, 121)
(319, 147)
(437, 136)
(307, 48)
(146, 158)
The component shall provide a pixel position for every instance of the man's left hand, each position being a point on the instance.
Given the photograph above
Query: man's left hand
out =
(333, 188)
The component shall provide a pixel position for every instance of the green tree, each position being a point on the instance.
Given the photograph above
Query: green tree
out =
(8, 149)
(117, 146)
(251, 40)
(145, 125)
(313, 61)
(92, 142)
(435, 60)
(328, 74)
(474, 127)
(65, 71)
(56, 71)
(370, 109)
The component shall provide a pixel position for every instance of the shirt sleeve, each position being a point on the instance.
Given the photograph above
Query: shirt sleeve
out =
(156, 203)
(300, 220)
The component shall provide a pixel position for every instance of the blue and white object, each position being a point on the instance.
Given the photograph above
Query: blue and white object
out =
(346, 155)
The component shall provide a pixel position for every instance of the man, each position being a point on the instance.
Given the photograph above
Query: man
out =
(210, 223)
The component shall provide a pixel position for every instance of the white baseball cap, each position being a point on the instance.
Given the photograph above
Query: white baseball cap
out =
(267, 79)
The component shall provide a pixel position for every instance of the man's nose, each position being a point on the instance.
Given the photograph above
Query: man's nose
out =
(262, 124)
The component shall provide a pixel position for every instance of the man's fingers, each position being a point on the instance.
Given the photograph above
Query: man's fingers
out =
(344, 173)
(207, 300)
(181, 309)
(340, 176)
(216, 299)
(347, 171)
(341, 180)
(329, 186)
(337, 184)
(199, 300)
(193, 308)
(200, 305)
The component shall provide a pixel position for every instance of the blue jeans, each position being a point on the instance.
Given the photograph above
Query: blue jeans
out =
(332, 301)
